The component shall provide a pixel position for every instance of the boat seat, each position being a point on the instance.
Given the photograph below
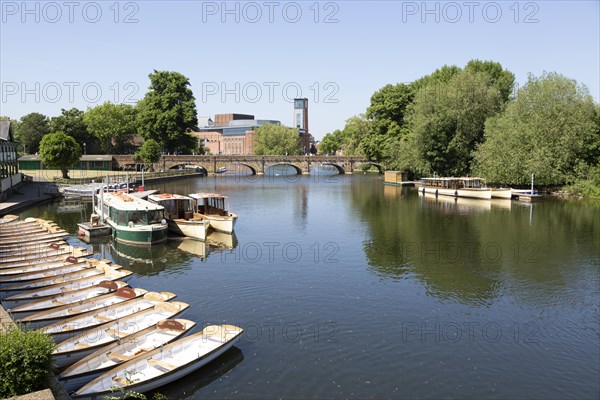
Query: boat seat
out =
(120, 380)
(102, 318)
(79, 344)
(118, 356)
(116, 332)
(162, 364)
(59, 302)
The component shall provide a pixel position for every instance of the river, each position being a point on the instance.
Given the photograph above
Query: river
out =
(348, 288)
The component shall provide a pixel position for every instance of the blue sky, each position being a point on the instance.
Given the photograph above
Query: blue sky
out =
(240, 56)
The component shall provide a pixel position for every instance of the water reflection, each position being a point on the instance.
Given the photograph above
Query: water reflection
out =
(211, 372)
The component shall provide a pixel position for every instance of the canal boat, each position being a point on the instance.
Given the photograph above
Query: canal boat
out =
(91, 340)
(181, 216)
(70, 327)
(215, 208)
(471, 187)
(108, 357)
(165, 364)
(54, 315)
(133, 220)
(60, 288)
(66, 298)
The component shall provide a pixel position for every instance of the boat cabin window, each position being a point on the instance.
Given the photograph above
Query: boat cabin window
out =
(137, 217)
(155, 216)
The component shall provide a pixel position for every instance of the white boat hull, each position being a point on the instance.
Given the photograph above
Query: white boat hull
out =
(485, 194)
(193, 228)
(222, 223)
(502, 194)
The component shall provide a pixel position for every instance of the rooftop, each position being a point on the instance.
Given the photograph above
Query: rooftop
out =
(123, 201)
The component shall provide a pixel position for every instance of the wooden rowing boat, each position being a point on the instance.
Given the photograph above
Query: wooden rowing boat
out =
(65, 299)
(87, 342)
(165, 364)
(79, 252)
(28, 230)
(40, 242)
(99, 269)
(6, 272)
(54, 315)
(35, 238)
(48, 250)
(48, 273)
(61, 288)
(94, 365)
(30, 246)
(70, 327)
(9, 219)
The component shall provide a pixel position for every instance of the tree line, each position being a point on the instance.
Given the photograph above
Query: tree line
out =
(472, 121)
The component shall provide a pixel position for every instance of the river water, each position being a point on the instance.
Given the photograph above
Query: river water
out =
(348, 288)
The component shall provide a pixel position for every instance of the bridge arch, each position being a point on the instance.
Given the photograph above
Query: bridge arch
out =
(250, 167)
(339, 168)
(373, 164)
(296, 168)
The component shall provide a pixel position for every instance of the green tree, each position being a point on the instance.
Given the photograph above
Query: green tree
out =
(72, 123)
(502, 79)
(550, 130)
(31, 129)
(331, 142)
(446, 128)
(168, 111)
(149, 152)
(59, 150)
(112, 124)
(272, 139)
(388, 107)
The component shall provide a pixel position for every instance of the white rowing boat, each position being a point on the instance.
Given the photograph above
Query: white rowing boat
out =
(165, 364)
(94, 365)
(39, 253)
(35, 238)
(81, 252)
(10, 272)
(61, 288)
(99, 269)
(64, 329)
(43, 318)
(87, 342)
(31, 246)
(9, 219)
(66, 299)
(48, 273)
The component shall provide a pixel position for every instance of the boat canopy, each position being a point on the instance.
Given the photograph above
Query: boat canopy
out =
(454, 183)
(211, 203)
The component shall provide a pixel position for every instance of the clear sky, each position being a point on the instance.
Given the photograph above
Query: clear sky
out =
(254, 57)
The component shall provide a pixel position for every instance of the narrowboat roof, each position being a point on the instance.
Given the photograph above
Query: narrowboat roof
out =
(206, 195)
(127, 202)
(168, 196)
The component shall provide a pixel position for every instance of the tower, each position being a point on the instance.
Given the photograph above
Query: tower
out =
(301, 123)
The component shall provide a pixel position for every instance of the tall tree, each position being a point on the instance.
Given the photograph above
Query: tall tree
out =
(30, 131)
(445, 129)
(149, 152)
(113, 125)
(276, 140)
(550, 130)
(331, 142)
(71, 122)
(502, 79)
(168, 111)
(59, 150)
(388, 108)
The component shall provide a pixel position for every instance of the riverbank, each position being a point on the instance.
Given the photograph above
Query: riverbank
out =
(27, 195)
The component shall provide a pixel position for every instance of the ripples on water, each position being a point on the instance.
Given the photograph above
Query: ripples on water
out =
(394, 295)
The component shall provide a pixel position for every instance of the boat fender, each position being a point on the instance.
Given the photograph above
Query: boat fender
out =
(170, 325)
(71, 260)
(127, 293)
(54, 246)
(163, 221)
(108, 285)
(130, 224)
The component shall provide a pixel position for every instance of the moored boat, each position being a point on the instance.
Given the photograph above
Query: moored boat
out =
(60, 288)
(46, 266)
(70, 327)
(165, 364)
(48, 317)
(34, 253)
(87, 342)
(180, 215)
(502, 193)
(215, 208)
(8, 219)
(133, 220)
(94, 365)
(33, 238)
(17, 248)
(471, 187)
(66, 298)
(58, 255)
(48, 273)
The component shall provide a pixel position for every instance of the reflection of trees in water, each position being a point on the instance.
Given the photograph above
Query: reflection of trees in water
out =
(190, 384)
(472, 253)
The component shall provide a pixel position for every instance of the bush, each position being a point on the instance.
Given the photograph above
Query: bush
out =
(26, 360)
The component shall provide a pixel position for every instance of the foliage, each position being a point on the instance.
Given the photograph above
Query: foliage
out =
(72, 123)
(272, 139)
(113, 125)
(445, 129)
(503, 80)
(168, 111)
(149, 152)
(331, 142)
(30, 131)
(59, 150)
(26, 359)
(550, 130)
(388, 108)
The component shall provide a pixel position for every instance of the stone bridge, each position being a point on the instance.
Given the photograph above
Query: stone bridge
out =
(256, 164)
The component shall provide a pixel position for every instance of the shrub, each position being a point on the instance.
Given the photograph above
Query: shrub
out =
(26, 360)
